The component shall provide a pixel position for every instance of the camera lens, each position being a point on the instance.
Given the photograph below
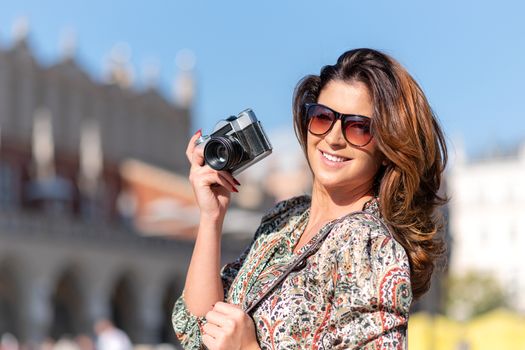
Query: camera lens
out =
(221, 153)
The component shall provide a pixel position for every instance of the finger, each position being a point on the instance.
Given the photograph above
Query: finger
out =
(228, 179)
(191, 144)
(218, 319)
(197, 157)
(209, 342)
(214, 317)
(228, 176)
(225, 175)
(208, 177)
(212, 329)
(227, 308)
(230, 311)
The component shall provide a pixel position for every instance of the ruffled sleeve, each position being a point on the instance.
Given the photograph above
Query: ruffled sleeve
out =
(187, 326)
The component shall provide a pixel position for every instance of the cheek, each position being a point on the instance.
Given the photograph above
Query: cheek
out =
(375, 157)
(311, 145)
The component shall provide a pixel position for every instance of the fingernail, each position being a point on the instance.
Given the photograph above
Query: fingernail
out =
(234, 189)
(199, 132)
(236, 182)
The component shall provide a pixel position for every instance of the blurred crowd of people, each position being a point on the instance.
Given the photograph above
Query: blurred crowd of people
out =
(106, 337)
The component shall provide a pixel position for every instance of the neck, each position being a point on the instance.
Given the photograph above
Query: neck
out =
(329, 204)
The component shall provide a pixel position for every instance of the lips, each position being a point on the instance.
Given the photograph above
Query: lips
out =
(333, 157)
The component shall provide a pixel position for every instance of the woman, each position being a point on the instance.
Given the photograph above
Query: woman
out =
(368, 232)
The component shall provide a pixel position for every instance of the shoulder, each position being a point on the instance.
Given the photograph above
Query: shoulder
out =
(365, 224)
(284, 211)
(377, 262)
(369, 240)
(288, 207)
(361, 226)
(282, 214)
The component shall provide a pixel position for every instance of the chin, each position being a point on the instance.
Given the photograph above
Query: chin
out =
(330, 182)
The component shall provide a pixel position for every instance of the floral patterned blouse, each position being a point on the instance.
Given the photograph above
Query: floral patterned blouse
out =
(354, 292)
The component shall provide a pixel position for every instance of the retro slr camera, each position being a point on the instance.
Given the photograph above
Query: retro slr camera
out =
(235, 143)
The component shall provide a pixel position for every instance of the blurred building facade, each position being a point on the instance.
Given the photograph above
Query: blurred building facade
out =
(487, 220)
(84, 165)
(71, 194)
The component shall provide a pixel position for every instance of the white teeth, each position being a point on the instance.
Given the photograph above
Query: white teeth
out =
(333, 158)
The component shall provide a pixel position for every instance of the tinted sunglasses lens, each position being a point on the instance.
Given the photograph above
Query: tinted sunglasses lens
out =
(357, 130)
(320, 119)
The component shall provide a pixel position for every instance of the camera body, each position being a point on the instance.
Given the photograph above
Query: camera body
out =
(235, 143)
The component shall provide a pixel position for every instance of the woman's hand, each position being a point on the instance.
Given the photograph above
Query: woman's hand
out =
(212, 188)
(228, 327)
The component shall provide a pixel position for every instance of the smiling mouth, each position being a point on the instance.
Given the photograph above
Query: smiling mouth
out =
(334, 158)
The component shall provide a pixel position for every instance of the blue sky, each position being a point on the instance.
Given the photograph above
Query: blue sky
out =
(467, 55)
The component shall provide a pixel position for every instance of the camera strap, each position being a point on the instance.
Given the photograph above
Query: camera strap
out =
(300, 262)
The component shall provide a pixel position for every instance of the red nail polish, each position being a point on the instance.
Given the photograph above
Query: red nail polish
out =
(236, 182)
(199, 132)
(234, 189)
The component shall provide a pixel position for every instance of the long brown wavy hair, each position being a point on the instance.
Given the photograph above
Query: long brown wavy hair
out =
(409, 136)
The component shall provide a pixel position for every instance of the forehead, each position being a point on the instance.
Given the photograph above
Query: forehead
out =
(347, 97)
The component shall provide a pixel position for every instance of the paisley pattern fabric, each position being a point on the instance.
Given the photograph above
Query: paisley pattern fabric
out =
(353, 293)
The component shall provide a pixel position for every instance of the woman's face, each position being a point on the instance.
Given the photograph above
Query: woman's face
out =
(335, 163)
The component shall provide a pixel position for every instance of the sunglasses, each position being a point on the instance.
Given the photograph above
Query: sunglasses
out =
(355, 128)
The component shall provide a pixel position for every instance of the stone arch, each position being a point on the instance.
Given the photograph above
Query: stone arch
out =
(9, 299)
(123, 301)
(172, 291)
(67, 305)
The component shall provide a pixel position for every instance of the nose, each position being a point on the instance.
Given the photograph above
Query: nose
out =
(335, 136)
